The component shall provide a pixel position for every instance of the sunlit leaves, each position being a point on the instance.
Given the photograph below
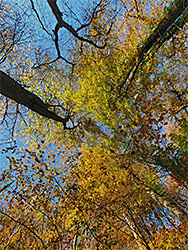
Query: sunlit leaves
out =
(118, 180)
(102, 198)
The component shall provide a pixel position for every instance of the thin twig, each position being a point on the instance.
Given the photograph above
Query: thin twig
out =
(22, 224)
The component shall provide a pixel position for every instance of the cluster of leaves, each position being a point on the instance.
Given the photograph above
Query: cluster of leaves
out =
(117, 178)
(93, 198)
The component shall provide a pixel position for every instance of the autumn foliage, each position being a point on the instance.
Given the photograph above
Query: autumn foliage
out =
(113, 174)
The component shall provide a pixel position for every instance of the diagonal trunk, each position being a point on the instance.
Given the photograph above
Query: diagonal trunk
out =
(13, 90)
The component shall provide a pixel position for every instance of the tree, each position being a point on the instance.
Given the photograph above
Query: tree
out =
(116, 177)
(99, 203)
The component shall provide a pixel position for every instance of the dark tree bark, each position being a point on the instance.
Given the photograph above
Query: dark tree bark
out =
(175, 19)
(176, 10)
(13, 90)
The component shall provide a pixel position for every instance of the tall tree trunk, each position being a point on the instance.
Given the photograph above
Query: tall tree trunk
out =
(13, 90)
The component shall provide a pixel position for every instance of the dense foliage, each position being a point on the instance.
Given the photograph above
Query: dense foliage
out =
(103, 162)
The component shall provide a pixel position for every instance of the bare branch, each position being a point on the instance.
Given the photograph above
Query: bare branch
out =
(62, 23)
(15, 120)
(52, 61)
(92, 17)
(38, 17)
(5, 113)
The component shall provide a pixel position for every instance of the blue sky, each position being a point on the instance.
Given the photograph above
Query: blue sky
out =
(41, 36)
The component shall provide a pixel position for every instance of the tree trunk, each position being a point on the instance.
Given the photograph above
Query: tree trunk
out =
(13, 90)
